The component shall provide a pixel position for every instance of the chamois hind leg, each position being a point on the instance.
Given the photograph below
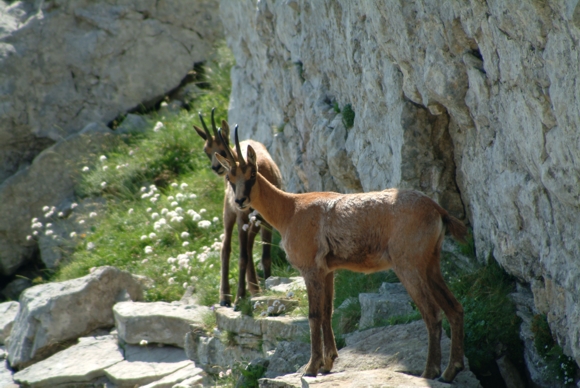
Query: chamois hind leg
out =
(330, 351)
(454, 312)
(251, 275)
(315, 287)
(416, 286)
(266, 234)
(225, 293)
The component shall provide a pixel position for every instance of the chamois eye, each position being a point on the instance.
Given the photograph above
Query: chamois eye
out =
(223, 153)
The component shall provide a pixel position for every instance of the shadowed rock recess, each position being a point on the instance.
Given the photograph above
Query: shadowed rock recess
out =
(473, 103)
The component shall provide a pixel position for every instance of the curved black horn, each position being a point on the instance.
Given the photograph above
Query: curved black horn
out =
(204, 126)
(228, 151)
(238, 148)
(213, 127)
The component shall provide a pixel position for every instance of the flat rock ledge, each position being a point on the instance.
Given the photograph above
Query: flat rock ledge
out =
(105, 362)
(238, 337)
(390, 356)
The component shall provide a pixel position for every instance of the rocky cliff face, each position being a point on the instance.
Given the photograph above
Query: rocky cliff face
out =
(474, 103)
(65, 64)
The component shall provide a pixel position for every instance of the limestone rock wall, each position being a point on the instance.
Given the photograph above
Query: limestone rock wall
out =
(474, 103)
(67, 63)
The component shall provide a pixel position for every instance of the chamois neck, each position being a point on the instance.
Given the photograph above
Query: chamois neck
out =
(275, 205)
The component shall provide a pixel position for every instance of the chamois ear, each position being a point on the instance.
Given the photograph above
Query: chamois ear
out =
(223, 161)
(200, 132)
(251, 157)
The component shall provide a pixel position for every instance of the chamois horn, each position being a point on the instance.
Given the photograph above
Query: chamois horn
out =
(228, 151)
(205, 127)
(238, 148)
(213, 127)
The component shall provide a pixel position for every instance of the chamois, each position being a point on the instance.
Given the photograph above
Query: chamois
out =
(364, 232)
(232, 214)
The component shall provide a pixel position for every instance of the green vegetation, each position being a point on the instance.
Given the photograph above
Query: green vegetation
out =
(348, 285)
(250, 375)
(490, 319)
(162, 217)
(335, 107)
(560, 366)
(348, 116)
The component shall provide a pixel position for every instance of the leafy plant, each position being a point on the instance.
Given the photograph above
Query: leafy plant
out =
(251, 374)
(490, 318)
(348, 116)
(228, 338)
(560, 366)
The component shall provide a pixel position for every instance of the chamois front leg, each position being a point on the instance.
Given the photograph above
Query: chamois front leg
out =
(330, 351)
(242, 262)
(225, 293)
(315, 287)
(251, 276)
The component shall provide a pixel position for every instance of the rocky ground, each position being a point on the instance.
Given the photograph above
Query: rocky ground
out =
(95, 331)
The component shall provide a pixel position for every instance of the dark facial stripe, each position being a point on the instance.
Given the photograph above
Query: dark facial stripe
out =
(248, 187)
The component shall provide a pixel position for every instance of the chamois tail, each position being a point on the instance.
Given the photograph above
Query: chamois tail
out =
(457, 229)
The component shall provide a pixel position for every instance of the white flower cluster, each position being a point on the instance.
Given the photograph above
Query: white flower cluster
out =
(223, 374)
(276, 308)
(253, 220)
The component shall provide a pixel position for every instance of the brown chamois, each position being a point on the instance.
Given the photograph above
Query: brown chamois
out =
(232, 214)
(365, 232)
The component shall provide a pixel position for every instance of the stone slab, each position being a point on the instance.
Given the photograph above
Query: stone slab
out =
(157, 322)
(146, 364)
(8, 311)
(185, 375)
(54, 313)
(65, 367)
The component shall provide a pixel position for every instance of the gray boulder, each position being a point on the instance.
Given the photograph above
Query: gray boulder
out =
(53, 314)
(8, 311)
(392, 300)
(288, 357)
(66, 64)
(25, 194)
(81, 363)
(157, 322)
(6, 375)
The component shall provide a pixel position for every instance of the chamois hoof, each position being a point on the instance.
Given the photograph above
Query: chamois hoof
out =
(450, 374)
(431, 374)
(225, 303)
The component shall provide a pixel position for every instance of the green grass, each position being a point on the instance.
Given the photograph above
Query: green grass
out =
(153, 176)
(560, 367)
(489, 314)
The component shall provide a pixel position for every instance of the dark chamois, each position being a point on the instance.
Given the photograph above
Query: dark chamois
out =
(232, 214)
